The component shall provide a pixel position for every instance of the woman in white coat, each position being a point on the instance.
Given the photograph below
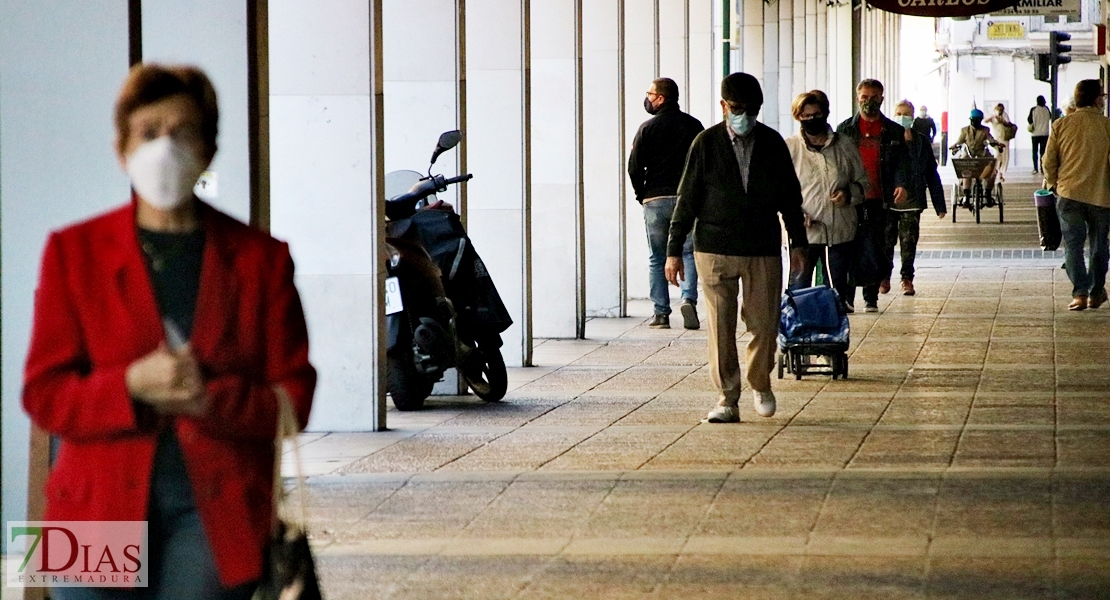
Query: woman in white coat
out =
(833, 181)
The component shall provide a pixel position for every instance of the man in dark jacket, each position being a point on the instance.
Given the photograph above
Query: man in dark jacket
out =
(904, 226)
(738, 179)
(655, 167)
(882, 146)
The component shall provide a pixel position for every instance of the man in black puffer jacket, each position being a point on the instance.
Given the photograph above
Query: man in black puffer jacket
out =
(738, 179)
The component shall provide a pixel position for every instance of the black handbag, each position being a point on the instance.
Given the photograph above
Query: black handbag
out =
(289, 570)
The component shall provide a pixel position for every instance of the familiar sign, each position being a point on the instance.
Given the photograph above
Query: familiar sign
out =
(1005, 30)
(1046, 8)
(943, 8)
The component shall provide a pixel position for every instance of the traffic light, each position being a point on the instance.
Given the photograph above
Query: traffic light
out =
(1057, 51)
(1042, 67)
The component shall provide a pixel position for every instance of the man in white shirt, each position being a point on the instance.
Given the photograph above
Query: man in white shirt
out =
(1039, 120)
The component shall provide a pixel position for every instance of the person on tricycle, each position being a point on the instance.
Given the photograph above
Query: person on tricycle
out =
(974, 142)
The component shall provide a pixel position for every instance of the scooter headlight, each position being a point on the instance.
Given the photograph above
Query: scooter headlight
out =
(394, 256)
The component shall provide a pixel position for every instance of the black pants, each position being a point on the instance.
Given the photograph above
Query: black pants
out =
(1040, 142)
(872, 211)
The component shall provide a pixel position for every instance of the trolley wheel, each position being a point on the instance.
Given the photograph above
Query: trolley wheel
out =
(843, 365)
(978, 206)
(782, 365)
(796, 361)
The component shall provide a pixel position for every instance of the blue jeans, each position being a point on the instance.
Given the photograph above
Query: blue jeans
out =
(1081, 222)
(181, 563)
(657, 219)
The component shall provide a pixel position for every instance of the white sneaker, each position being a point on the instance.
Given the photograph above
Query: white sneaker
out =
(764, 403)
(724, 414)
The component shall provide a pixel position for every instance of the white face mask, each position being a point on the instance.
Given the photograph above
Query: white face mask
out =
(163, 172)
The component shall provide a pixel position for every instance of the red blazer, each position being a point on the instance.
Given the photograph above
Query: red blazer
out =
(95, 314)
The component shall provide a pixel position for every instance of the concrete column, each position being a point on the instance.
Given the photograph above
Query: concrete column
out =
(499, 155)
(753, 38)
(326, 196)
(639, 71)
(673, 47)
(822, 45)
(554, 168)
(841, 86)
(811, 44)
(787, 91)
(603, 156)
(211, 34)
(58, 81)
(770, 113)
(419, 73)
(799, 49)
(705, 81)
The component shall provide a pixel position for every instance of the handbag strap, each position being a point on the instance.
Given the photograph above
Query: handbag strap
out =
(287, 428)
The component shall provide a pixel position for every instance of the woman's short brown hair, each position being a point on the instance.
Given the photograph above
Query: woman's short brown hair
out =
(148, 83)
(811, 97)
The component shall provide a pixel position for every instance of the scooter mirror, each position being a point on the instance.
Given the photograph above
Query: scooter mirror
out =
(448, 140)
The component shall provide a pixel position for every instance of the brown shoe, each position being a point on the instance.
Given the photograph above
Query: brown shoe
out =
(1097, 299)
(884, 287)
(1078, 303)
(907, 287)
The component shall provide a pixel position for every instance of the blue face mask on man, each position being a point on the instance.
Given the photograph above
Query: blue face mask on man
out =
(741, 124)
(905, 121)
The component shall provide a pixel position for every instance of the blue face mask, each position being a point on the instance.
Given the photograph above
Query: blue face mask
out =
(905, 121)
(740, 124)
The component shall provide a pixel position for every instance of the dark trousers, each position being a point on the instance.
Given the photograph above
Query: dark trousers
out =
(1040, 142)
(903, 228)
(873, 211)
(835, 268)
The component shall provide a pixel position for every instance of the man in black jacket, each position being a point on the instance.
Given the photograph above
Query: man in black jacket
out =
(655, 167)
(738, 179)
(882, 146)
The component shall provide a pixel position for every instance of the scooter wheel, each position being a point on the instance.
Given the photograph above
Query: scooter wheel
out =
(485, 373)
(407, 388)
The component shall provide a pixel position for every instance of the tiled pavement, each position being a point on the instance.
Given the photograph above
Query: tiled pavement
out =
(966, 456)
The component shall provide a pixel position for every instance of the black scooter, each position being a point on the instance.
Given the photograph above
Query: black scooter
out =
(442, 308)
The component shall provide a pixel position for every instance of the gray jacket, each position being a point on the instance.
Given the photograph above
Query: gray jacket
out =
(837, 166)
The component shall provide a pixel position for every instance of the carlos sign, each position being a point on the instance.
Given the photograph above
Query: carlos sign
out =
(943, 8)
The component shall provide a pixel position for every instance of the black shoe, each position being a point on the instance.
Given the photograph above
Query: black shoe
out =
(848, 308)
(689, 315)
(660, 322)
(872, 307)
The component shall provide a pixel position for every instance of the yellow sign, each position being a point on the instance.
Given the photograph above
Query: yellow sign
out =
(1008, 30)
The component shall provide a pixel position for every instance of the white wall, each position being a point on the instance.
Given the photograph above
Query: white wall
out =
(498, 196)
(61, 64)
(211, 34)
(322, 199)
(639, 71)
(553, 168)
(603, 150)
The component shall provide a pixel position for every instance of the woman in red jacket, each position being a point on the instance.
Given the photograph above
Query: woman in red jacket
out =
(163, 332)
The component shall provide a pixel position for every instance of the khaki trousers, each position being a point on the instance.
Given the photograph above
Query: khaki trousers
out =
(721, 277)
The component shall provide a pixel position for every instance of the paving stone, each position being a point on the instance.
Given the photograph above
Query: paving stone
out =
(1006, 449)
(902, 449)
(966, 456)
(1015, 507)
